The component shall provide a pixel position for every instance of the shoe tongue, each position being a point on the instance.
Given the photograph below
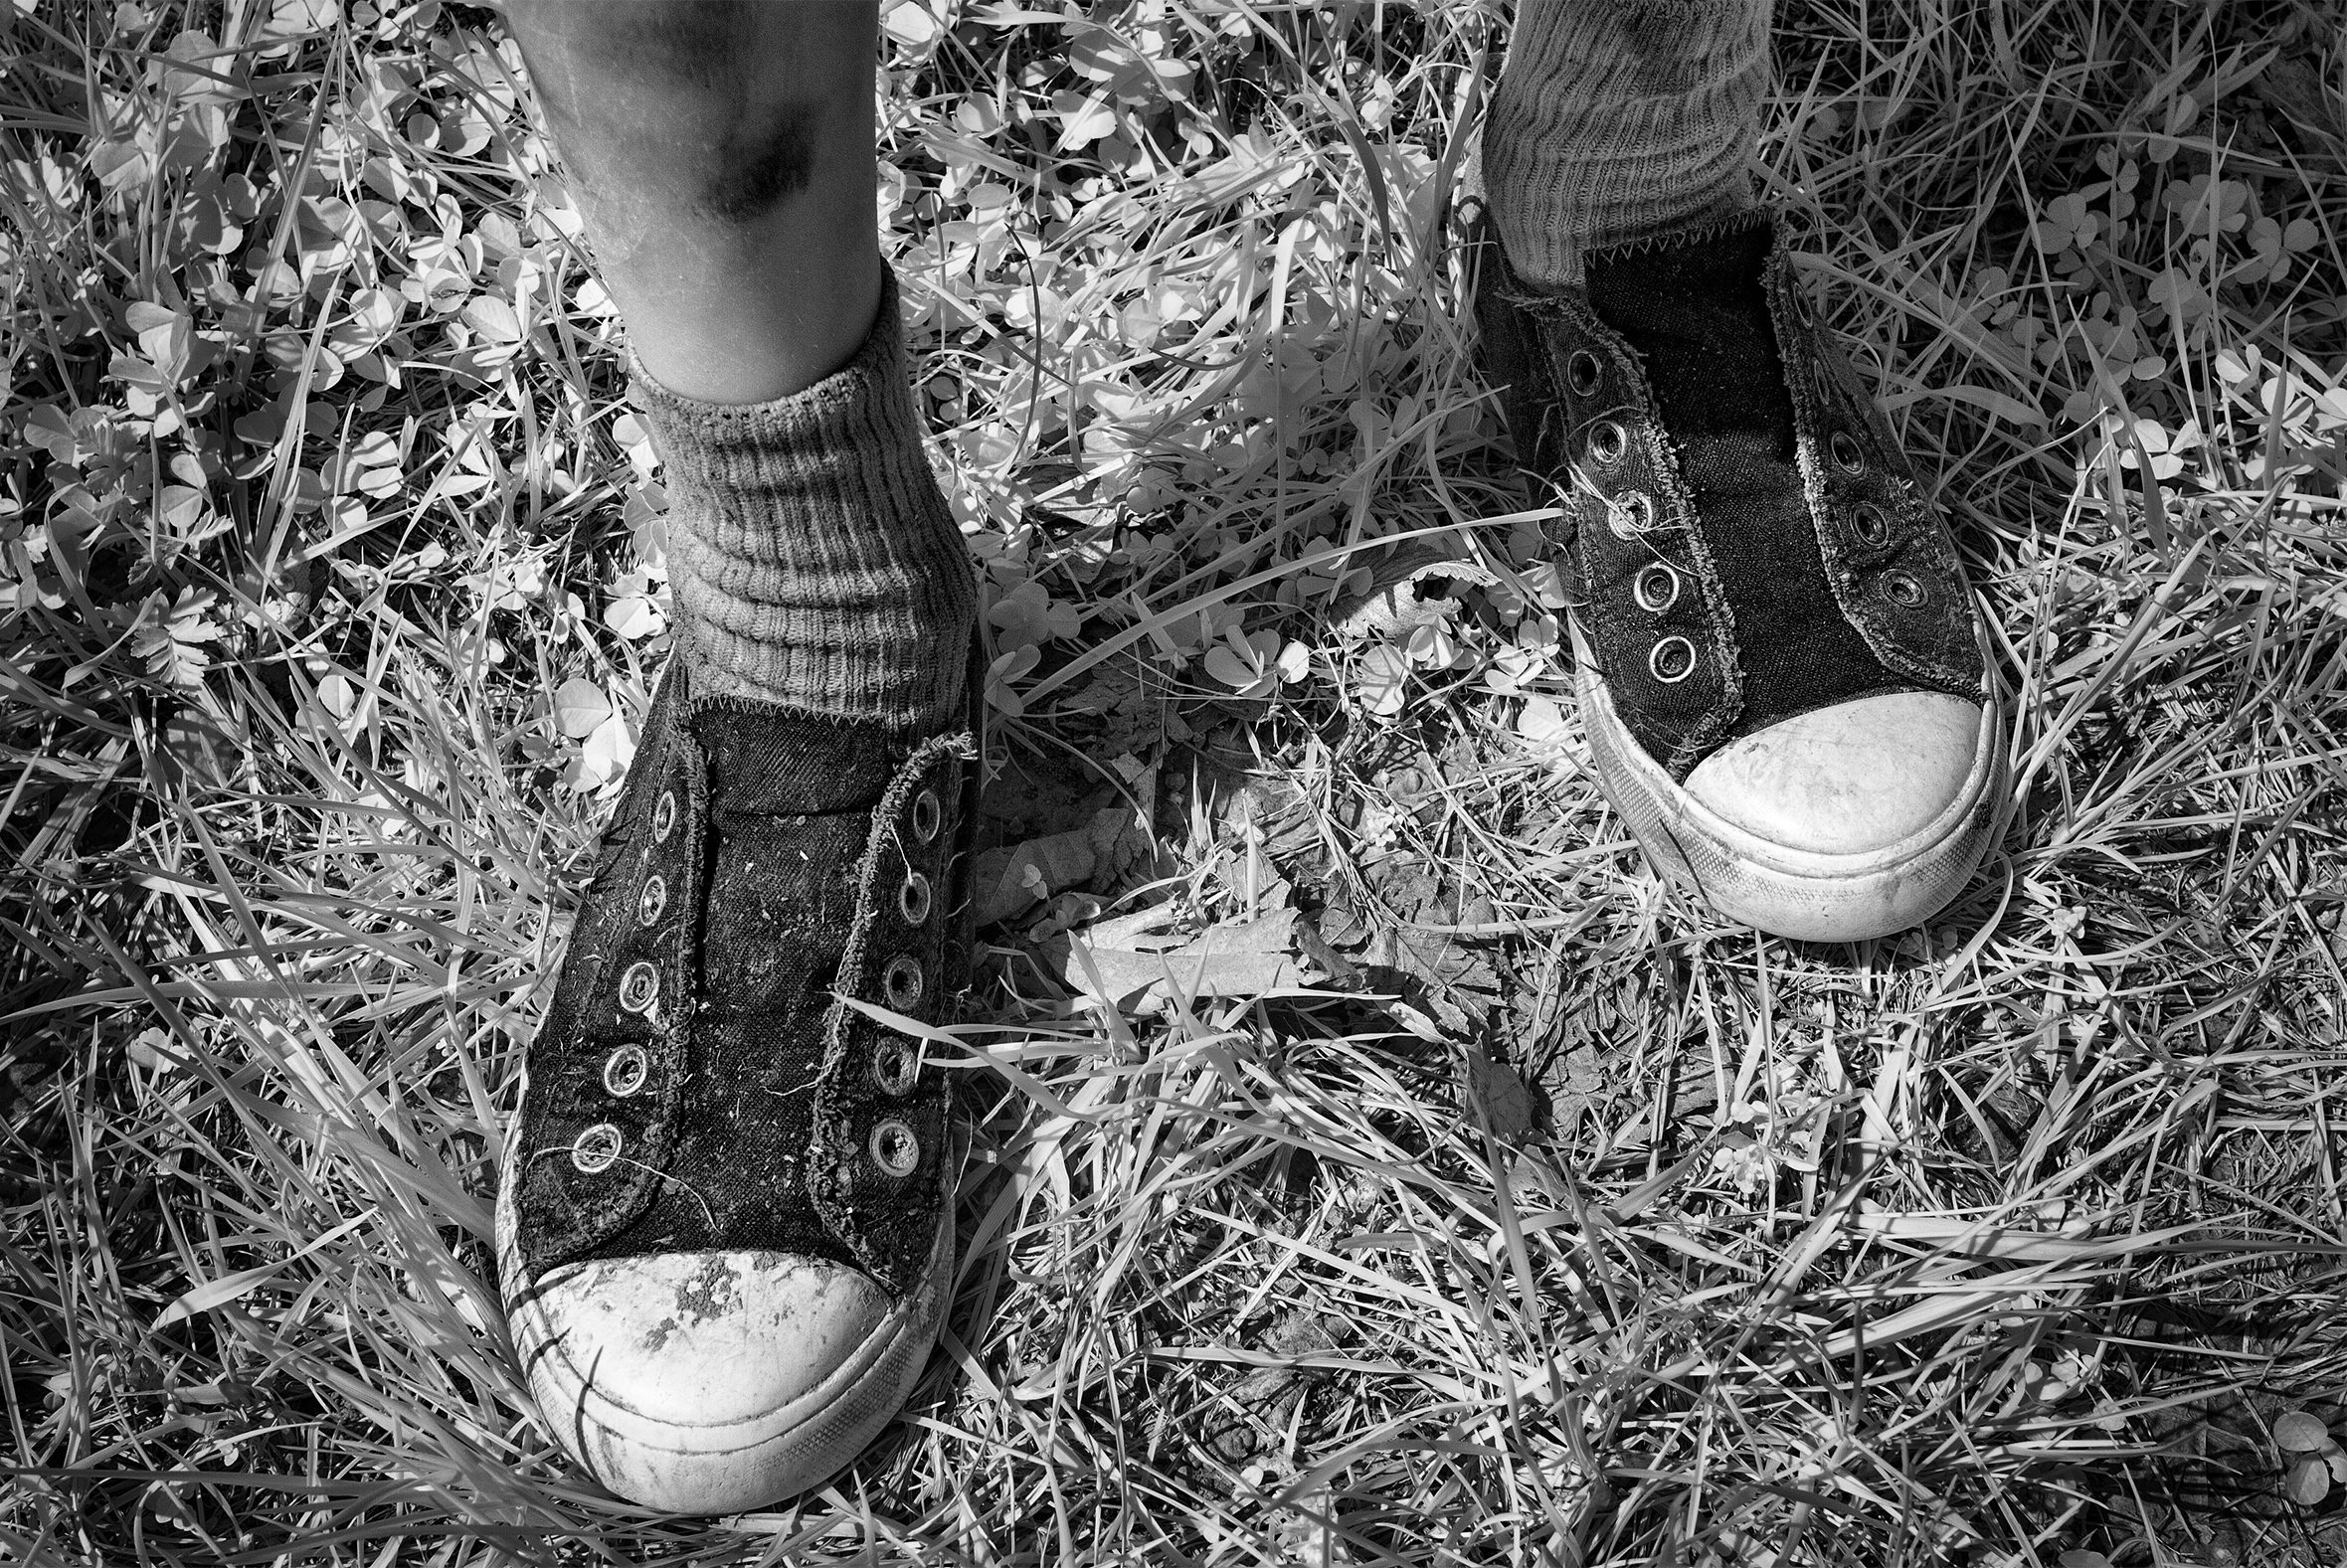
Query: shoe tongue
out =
(1697, 313)
(768, 761)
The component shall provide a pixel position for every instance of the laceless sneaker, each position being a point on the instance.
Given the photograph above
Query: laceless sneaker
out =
(1777, 658)
(725, 1225)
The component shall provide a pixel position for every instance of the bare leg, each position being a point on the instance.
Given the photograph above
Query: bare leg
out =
(722, 151)
(763, 1278)
(722, 154)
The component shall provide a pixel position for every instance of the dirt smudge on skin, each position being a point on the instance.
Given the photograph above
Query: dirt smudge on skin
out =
(763, 164)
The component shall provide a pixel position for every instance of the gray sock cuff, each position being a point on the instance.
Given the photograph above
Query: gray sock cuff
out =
(862, 409)
(812, 559)
(1613, 124)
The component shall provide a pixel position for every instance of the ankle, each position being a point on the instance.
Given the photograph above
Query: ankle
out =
(815, 561)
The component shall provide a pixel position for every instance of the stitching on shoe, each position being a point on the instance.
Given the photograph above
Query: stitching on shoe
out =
(893, 1255)
(1678, 521)
(1916, 528)
(573, 1212)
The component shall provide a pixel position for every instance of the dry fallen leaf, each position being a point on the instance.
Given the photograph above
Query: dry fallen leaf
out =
(1417, 587)
(1246, 959)
(1500, 1100)
(1014, 880)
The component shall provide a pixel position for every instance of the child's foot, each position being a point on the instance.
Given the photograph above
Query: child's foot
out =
(1778, 659)
(726, 1224)
(725, 1228)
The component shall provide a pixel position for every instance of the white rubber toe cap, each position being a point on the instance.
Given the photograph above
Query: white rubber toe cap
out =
(709, 1339)
(712, 1382)
(1836, 826)
(1847, 780)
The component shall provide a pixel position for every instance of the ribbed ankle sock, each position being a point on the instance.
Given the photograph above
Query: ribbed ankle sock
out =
(812, 559)
(1619, 123)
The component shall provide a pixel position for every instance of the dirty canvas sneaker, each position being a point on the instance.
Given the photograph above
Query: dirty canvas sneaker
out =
(725, 1228)
(1777, 658)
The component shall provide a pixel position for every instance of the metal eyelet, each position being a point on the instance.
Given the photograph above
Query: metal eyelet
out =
(626, 1071)
(896, 1066)
(1847, 454)
(652, 900)
(1902, 589)
(639, 988)
(895, 1149)
(1607, 442)
(913, 900)
(1582, 372)
(1671, 660)
(1868, 521)
(927, 815)
(663, 816)
(900, 982)
(597, 1150)
(1799, 300)
(1655, 587)
(1630, 515)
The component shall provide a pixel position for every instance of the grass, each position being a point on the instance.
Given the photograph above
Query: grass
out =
(1473, 1198)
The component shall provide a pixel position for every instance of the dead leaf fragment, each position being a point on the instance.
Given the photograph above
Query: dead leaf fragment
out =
(1266, 1395)
(1501, 1098)
(1244, 958)
(1415, 587)
(1014, 880)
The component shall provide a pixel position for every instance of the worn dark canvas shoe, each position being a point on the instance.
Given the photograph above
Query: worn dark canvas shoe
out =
(1777, 656)
(725, 1228)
